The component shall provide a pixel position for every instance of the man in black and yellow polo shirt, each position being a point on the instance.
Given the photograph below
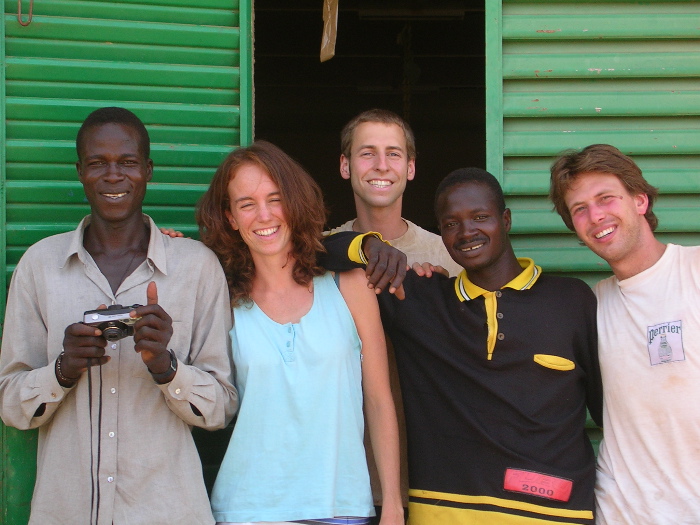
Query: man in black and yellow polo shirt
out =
(497, 367)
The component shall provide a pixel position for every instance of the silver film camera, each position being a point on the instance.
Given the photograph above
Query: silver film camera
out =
(114, 321)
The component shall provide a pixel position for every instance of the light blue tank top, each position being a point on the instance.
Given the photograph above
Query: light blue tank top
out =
(297, 446)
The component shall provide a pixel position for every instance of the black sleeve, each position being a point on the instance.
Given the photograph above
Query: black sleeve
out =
(594, 384)
(336, 257)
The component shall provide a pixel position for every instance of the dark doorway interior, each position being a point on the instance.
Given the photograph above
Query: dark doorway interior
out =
(422, 59)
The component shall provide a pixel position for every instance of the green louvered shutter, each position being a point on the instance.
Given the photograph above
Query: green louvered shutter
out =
(572, 73)
(183, 66)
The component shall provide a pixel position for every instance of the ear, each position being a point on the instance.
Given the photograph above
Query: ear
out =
(79, 170)
(344, 167)
(641, 201)
(231, 220)
(506, 220)
(149, 170)
(411, 169)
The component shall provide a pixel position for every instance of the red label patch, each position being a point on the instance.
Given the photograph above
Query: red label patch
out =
(536, 484)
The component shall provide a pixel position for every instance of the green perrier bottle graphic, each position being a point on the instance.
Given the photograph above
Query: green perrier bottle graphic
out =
(664, 350)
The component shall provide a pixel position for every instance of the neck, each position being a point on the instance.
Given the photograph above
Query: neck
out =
(386, 220)
(497, 275)
(116, 238)
(273, 272)
(644, 257)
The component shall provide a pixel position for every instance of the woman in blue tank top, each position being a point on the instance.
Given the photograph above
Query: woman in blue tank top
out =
(309, 352)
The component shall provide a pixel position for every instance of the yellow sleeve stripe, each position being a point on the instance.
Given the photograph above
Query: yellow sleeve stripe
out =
(355, 253)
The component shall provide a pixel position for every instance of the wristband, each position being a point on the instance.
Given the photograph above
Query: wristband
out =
(164, 375)
(59, 373)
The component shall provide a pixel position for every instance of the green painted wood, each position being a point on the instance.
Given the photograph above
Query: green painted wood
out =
(574, 73)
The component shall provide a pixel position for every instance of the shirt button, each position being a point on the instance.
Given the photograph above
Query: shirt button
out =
(110, 479)
(501, 337)
(114, 346)
(111, 434)
(499, 315)
(113, 390)
(177, 390)
(289, 344)
(53, 394)
(498, 293)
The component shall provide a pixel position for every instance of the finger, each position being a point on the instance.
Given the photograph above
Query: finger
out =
(399, 292)
(152, 293)
(419, 269)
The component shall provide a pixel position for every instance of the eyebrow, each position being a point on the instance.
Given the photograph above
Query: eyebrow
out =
(251, 198)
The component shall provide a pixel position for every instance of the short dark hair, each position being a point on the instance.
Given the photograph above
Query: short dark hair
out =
(600, 158)
(471, 175)
(382, 116)
(114, 115)
(304, 210)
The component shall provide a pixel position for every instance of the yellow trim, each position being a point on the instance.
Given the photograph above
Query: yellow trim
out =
(355, 253)
(424, 514)
(554, 362)
(467, 290)
(497, 502)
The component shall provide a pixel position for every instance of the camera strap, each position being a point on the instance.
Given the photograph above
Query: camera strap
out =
(95, 474)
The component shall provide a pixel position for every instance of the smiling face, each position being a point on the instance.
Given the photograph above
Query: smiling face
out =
(256, 212)
(378, 166)
(114, 172)
(607, 218)
(473, 229)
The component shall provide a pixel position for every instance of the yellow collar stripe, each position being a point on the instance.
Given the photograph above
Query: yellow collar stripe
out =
(467, 290)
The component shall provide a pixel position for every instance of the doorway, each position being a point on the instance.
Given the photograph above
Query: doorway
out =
(421, 59)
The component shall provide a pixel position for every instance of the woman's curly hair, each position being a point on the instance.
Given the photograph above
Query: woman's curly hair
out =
(302, 203)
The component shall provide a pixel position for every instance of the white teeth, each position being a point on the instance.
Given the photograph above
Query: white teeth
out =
(114, 195)
(380, 183)
(605, 232)
(267, 231)
(472, 248)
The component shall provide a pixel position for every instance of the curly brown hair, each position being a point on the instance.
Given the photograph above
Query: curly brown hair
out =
(598, 158)
(304, 210)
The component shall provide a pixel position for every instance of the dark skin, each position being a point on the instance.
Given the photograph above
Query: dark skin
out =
(475, 233)
(114, 174)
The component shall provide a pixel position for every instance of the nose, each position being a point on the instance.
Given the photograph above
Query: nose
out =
(113, 172)
(596, 213)
(264, 213)
(381, 164)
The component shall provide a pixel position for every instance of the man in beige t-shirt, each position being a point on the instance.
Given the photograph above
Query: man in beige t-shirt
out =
(378, 157)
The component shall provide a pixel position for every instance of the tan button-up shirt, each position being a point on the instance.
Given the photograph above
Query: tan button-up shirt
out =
(127, 450)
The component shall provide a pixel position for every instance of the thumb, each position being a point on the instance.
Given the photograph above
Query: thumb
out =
(152, 293)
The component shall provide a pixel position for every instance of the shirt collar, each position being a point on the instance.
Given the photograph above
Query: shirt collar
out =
(156, 245)
(467, 290)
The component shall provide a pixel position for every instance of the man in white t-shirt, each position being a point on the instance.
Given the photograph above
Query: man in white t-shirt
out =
(649, 333)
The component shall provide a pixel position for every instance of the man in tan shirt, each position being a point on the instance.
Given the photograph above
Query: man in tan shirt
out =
(378, 157)
(115, 416)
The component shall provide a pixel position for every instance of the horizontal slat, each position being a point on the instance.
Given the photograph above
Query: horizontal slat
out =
(576, 104)
(27, 218)
(222, 15)
(162, 154)
(35, 130)
(121, 93)
(78, 30)
(596, 23)
(603, 65)
(63, 192)
(121, 52)
(122, 73)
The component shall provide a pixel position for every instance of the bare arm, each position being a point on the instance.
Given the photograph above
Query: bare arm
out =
(379, 404)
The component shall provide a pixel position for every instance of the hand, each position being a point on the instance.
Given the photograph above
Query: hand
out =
(386, 266)
(426, 269)
(152, 332)
(83, 346)
(170, 232)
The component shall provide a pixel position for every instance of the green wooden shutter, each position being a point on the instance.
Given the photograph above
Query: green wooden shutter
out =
(183, 66)
(568, 74)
